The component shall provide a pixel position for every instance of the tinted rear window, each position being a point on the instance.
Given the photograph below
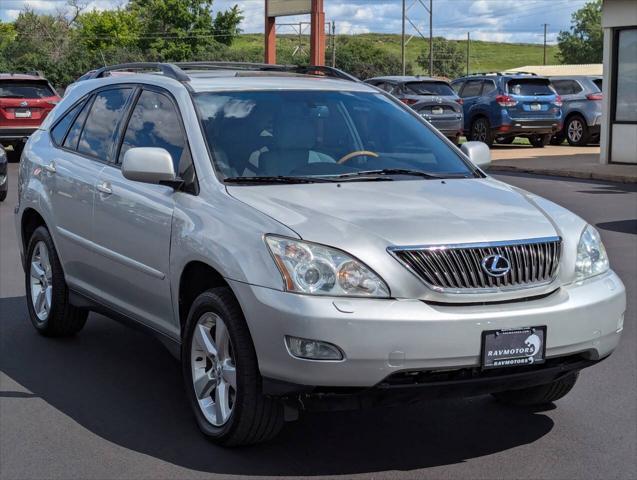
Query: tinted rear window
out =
(25, 89)
(530, 86)
(428, 88)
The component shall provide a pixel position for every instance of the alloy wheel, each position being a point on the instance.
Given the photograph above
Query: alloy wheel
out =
(41, 281)
(575, 130)
(480, 131)
(214, 374)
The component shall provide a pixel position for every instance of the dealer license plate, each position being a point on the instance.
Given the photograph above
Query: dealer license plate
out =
(512, 348)
(22, 113)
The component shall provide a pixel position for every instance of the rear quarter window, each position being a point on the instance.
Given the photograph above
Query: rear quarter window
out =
(59, 131)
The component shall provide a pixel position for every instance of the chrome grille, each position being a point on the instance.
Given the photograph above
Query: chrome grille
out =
(459, 267)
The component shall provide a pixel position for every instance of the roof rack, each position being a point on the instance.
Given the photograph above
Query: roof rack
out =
(268, 67)
(499, 74)
(177, 70)
(167, 69)
(34, 73)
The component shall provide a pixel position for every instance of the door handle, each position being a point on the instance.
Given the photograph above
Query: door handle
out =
(105, 188)
(50, 168)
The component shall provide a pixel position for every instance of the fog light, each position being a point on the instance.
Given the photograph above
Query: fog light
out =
(312, 349)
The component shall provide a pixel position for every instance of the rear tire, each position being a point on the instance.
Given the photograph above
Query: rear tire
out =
(577, 134)
(540, 394)
(540, 141)
(50, 311)
(243, 415)
(481, 131)
(557, 139)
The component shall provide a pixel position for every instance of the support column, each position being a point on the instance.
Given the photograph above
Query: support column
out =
(270, 40)
(317, 35)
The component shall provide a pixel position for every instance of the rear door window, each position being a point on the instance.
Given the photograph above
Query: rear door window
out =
(489, 86)
(25, 89)
(471, 89)
(98, 135)
(59, 131)
(73, 137)
(530, 87)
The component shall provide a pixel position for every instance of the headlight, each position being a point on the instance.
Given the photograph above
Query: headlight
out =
(591, 255)
(319, 270)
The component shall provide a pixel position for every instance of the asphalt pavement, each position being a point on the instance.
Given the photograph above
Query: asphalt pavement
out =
(109, 403)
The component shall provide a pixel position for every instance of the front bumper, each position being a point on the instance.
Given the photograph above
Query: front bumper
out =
(382, 337)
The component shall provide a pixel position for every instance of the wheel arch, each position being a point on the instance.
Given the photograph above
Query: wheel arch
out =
(31, 219)
(196, 277)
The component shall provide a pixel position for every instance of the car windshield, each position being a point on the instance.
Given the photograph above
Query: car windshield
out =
(530, 87)
(24, 89)
(429, 88)
(326, 134)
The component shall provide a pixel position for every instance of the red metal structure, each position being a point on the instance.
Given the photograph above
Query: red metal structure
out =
(317, 34)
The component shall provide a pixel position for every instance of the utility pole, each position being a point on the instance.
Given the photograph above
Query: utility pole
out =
(333, 43)
(431, 39)
(402, 40)
(545, 25)
(468, 44)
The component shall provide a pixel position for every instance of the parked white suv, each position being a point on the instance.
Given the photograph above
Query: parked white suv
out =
(303, 242)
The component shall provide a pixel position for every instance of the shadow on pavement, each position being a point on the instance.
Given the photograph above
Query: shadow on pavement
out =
(621, 226)
(124, 387)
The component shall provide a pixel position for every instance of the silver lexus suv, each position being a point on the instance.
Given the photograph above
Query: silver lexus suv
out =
(301, 240)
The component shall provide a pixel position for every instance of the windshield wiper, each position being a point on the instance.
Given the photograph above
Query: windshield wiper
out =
(277, 179)
(398, 171)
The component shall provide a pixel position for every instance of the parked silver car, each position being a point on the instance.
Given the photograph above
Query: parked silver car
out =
(432, 98)
(581, 109)
(303, 242)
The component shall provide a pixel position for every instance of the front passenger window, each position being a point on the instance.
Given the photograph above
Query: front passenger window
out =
(155, 123)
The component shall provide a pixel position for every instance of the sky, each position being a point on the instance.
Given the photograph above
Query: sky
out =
(493, 20)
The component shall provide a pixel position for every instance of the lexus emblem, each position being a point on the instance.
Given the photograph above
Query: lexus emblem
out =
(24, 104)
(496, 265)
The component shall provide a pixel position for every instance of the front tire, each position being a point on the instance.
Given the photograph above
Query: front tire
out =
(221, 374)
(577, 134)
(540, 141)
(540, 394)
(481, 131)
(50, 311)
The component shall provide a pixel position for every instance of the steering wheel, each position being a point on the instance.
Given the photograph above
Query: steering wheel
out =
(356, 153)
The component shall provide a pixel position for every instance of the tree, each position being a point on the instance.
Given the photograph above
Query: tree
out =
(584, 42)
(363, 59)
(226, 25)
(448, 59)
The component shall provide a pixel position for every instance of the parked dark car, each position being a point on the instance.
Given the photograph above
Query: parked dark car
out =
(25, 101)
(4, 175)
(432, 98)
(501, 106)
(581, 109)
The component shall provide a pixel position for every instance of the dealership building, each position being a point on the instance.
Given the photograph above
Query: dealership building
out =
(619, 107)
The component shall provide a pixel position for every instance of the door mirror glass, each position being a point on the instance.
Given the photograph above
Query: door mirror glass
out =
(478, 153)
(148, 165)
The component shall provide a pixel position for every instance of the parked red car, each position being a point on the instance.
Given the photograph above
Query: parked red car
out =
(25, 101)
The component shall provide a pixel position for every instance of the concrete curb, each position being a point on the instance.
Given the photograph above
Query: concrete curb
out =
(587, 175)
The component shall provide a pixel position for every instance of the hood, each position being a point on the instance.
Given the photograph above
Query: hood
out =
(400, 213)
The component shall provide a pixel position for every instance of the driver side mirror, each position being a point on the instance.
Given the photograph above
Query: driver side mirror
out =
(478, 153)
(149, 165)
